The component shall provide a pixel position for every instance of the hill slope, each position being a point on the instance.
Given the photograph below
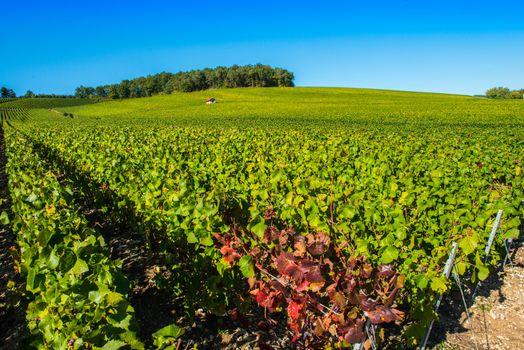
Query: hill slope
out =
(292, 106)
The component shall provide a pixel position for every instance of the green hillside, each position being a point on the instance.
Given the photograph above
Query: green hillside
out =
(47, 102)
(300, 106)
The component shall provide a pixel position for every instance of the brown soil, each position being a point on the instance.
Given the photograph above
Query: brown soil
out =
(497, 314)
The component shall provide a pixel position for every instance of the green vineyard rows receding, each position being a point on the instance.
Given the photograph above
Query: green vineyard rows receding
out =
(77, 294)
(48, 102)
(10, 114)
(336, 205)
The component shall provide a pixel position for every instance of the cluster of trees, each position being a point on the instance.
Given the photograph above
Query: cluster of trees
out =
(503, 92)
(7, 93)
(258, 75)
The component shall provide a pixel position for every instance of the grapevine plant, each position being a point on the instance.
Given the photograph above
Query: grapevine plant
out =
(326, 292)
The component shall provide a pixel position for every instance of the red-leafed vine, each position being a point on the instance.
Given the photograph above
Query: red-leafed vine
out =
(326, 291)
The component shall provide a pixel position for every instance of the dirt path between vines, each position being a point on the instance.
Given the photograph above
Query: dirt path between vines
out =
(497, 315)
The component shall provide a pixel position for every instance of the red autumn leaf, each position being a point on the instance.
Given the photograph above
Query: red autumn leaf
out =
(289, 231)
(352, 332)
(261, 298)
(284, 262)
(295, 328)
(229, 254)
(300, 271)
(384, 314)
(300, 246)
(274, 301)
(269, 214)
(365, 303)
(271, 234)
(351, 284)
(283, 238)
(296, 273)
(256, 252)
(312, 271)
(304, 285)
(294, 309)
(316, 248)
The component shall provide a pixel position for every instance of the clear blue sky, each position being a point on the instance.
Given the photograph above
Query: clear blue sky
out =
(422, 45)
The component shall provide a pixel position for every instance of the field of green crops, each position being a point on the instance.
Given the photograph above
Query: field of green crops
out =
(335, 207)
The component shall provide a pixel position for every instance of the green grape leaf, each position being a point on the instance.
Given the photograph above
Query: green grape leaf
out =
(246, 266)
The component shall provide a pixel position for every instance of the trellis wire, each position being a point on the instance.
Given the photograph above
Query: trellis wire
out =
(446, 273)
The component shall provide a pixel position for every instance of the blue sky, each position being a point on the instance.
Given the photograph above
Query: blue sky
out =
(443, 46)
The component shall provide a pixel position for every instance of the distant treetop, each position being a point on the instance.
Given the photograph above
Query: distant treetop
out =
(258, 75)
(7, 93)
(504, 93)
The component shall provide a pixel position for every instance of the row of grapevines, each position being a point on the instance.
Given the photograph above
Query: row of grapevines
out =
(9, 114)
(78, 294)
(396, 199)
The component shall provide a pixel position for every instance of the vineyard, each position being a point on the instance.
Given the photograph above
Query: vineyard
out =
(334, 210)
(43, 102)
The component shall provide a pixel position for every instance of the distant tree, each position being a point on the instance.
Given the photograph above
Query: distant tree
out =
(502, 92)
(112, 91)
(81, 92)
(101, 91)
(284, 77)
(29, 94)
(90, 91)
(498, 92)
(124, 89)
(85, 91)
(7, 93)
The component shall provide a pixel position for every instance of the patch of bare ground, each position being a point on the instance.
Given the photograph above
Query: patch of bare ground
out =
(496, 314)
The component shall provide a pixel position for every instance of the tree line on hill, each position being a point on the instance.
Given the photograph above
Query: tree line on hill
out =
(7, 93)
(504, 93)
(258, 75)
